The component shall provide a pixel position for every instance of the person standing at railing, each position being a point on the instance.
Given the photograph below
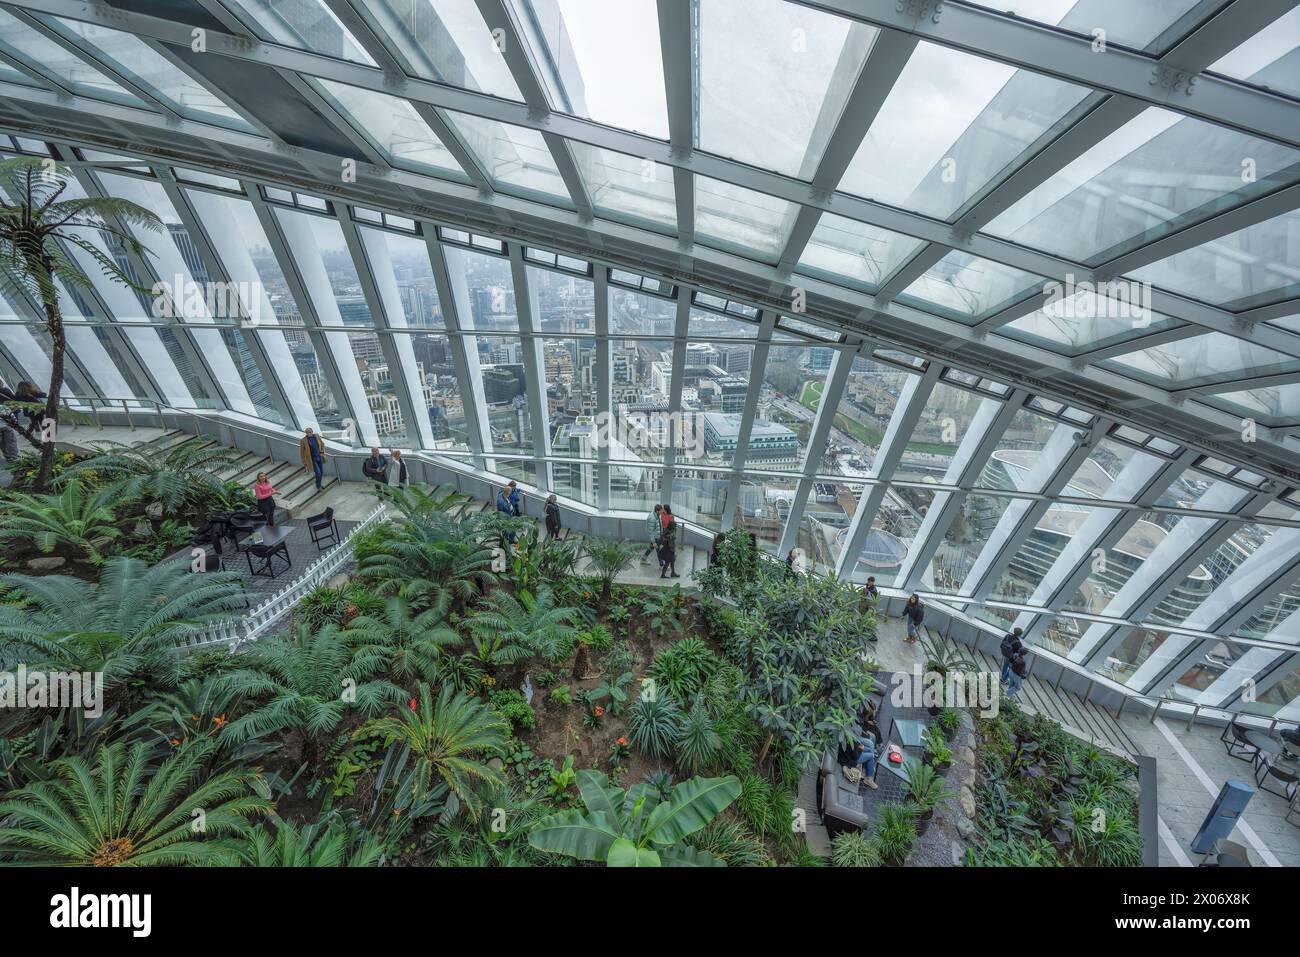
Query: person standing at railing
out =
(311, 450)
(375, 468)
(265, 493)
(398, 476)
(913, 615)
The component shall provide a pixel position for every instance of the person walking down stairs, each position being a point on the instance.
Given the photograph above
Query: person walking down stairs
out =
(311, 450)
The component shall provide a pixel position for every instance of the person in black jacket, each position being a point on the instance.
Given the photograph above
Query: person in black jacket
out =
(1010, 647)
(552, 518)
(1019, 671)
(913, 615)
(375, 468)
(668, 552)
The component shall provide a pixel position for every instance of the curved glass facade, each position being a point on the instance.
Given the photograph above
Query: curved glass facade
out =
(719, 290)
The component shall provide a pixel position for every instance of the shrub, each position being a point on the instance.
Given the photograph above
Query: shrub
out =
(655, 725)
(322, 606)
(854, 849)
(698, 745)
(895, 832)
(513, 706)
(755, 802)
(561, 695)
(682, 670)
(597, 638)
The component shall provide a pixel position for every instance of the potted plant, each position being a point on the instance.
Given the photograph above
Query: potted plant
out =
(896, 832)
(925, 789)
(937, 751)
(950, 721)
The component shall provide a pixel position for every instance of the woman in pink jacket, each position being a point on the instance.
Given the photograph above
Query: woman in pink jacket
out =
(264, 491)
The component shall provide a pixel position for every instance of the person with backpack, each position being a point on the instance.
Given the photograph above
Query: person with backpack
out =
(1019, 671)
(654, 528)
(913, 615)
(1010, 647)
(668, 552)
(552, 518)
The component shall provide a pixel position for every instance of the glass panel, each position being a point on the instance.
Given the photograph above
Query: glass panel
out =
(24, 43)
(515, 159)
(635, 488)
(1085, 321)
(1273, 405)
(742, 220)
(968, 289)
(1271, 58)
(491, 290)
(1253, 266)
(505, 393)
(306, 24)
(133, 58)
(408, 259)
(953, 124)
(773, 79)
(562, 302)
(700, 496)
(869, 400)
(1202, 359)
(636, 314)
(394, 127)
(642, 382)
(443, 395)
(966, 535)
(846, 250)
(586, 74)
(1269, 702)
(794, 380)
(1014, 464)
(1161, 171)
(627, 188)
(342, 271)
(569, 368)
(710, 325)
(1153, 25)
(447, 41)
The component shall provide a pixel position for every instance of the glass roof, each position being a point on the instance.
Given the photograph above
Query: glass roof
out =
(447, 41)
(308, 26)
(855, 253)
(1208, 358)
(952, 122)
(23, 43)
(1271, 58)
(773, 79)
(394, 127)
(969, 289)
(516, 159)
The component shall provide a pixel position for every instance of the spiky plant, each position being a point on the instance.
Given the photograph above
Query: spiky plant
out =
(655, 725)
(450, 740)
(37, 230)
(124, 625)
(77, 524)
(412, 644)
(180, 478)
(305, 683)
(509, 629)
(123, 812)
(429, 563)
(325, 843)
(698, 744)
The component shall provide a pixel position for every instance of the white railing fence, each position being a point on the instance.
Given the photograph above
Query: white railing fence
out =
(233, 633)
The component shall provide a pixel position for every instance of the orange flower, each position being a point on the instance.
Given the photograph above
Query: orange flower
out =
(176, 742)
(599, 711)
(411, 704)
(622, 742)
(219, 720)
(194, 717)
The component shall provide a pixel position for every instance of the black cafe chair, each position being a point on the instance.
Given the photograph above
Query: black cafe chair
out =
(1271, 772)
(324, 530)
(267, 556)
(1237, 744)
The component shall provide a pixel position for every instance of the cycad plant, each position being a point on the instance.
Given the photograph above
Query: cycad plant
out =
(428, 562)
(606, 558)
(123, 812)
(698, 743)
(307, 684)
(411, 644)
(449, 741)
(180, 479)
(124, 625)
(636, 828)
(325, 843)
(77, 524)
(37, 228)
(509, 629)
